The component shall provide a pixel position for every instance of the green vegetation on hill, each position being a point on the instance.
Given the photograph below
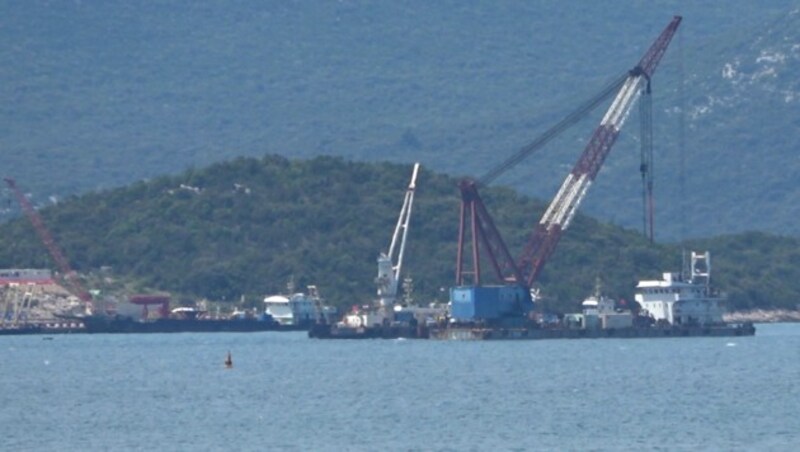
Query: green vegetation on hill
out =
(247, 226)
(95, 95)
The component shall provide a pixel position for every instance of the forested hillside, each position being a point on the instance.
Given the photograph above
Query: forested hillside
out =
(248, 226)
(96, 95)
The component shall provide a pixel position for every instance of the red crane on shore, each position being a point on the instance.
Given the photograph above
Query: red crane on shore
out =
(558, 215)
(69, 276)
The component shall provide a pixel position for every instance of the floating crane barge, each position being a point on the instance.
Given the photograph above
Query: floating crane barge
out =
(678, 308)
(676, 305)
(505, 310)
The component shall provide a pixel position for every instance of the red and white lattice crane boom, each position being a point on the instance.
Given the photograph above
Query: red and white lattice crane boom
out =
(69, 276)
(561, 210)
(559, 213)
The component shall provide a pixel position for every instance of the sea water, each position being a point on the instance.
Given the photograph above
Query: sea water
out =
(288, 392)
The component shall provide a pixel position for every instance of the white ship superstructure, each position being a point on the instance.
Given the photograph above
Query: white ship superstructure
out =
(680, 299)
(600, 311)
(294, 309)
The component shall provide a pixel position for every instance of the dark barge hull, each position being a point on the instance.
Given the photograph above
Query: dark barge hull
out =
(482, 333)
(100, 324)
(325, 331)
(44, 328)
(16, 331)
(526, 333)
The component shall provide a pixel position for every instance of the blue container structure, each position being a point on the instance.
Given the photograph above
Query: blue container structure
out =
(487, 303)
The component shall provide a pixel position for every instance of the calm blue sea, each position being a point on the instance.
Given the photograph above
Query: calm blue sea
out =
(288, 392)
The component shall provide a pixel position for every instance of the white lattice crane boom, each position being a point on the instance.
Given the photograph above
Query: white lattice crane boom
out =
(390, 263)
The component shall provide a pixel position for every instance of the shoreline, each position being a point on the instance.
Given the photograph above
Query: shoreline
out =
(763, 316)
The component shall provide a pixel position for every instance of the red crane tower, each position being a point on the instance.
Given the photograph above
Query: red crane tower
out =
(69, 276)
(523, 272)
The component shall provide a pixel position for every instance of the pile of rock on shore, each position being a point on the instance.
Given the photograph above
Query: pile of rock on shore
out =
(763, 316)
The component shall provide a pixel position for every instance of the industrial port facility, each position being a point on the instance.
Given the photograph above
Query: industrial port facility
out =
(500, 303)
(506, 308)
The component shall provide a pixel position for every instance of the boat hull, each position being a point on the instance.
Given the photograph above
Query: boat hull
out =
(98, 324)
(28, 329)
(479, 333)
(527, 333)
(48, 328)
(324, 331)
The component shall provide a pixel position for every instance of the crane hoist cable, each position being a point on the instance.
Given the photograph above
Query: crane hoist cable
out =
(472, 205)
(477, 226)
(646, 167)
(581, 112)
(562, 208)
